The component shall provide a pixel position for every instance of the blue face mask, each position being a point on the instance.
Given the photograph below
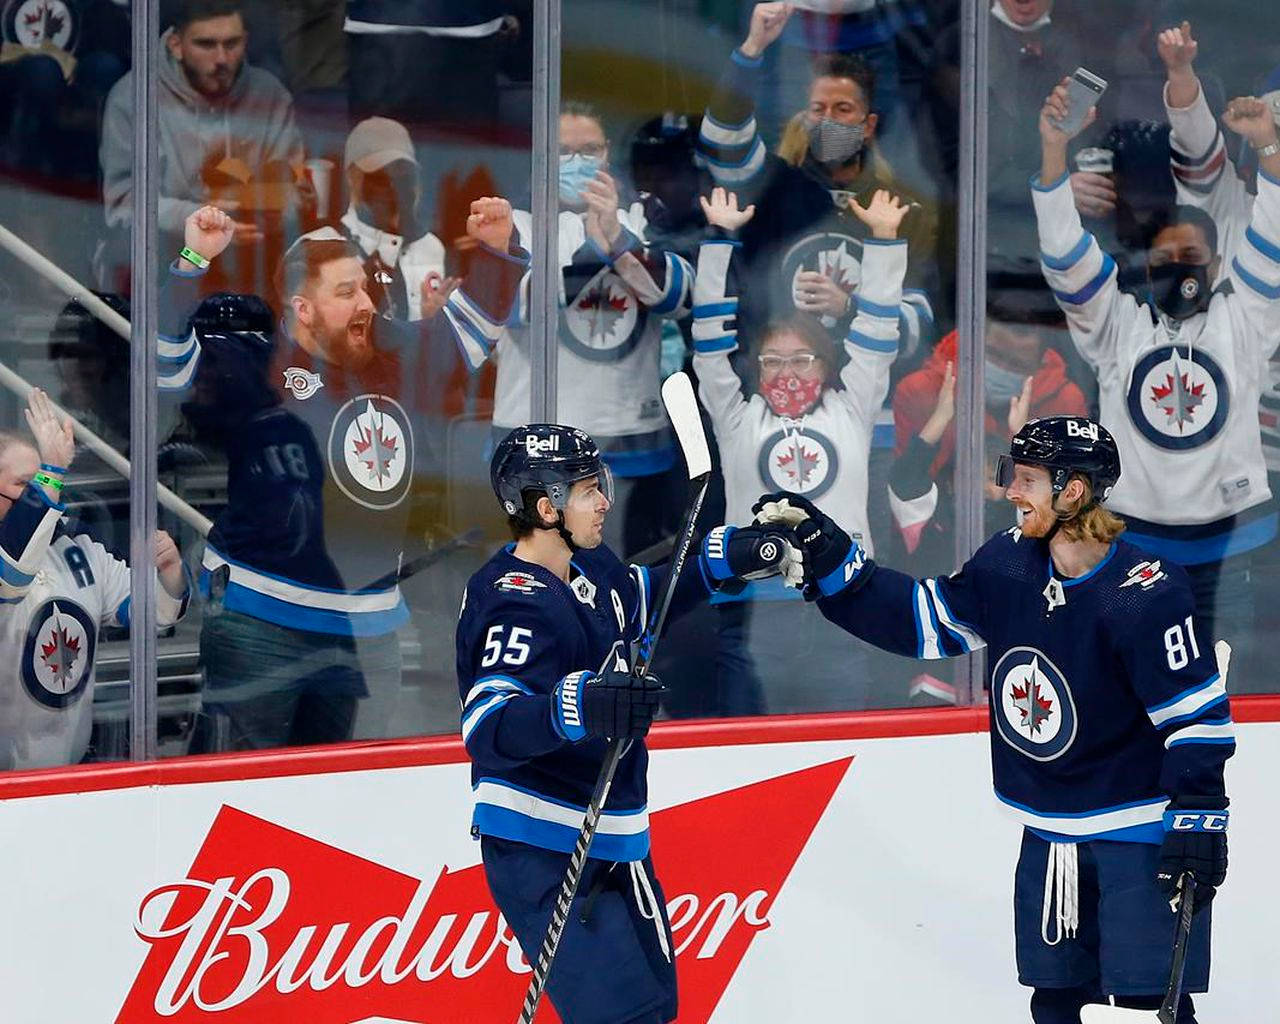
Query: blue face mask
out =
(1000, 384)
(575, 171)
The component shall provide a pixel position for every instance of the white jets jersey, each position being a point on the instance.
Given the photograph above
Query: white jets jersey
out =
(823, 454)
(58, 590)
(612, 307)
(1205, 178)
(1181, 398)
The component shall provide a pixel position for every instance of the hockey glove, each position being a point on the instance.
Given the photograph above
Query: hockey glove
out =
(731, 553)
(832, 559)
(1195, 842)
(611, 705)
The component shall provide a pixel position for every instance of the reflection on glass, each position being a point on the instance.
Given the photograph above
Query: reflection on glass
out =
(64, 515)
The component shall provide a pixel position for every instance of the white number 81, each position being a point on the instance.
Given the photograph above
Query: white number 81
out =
(1175, 646)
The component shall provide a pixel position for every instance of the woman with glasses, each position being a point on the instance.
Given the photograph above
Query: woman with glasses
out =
(806, 428)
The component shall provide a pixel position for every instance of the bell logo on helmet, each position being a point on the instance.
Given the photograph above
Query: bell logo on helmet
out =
(1083, 428)
(535, 445)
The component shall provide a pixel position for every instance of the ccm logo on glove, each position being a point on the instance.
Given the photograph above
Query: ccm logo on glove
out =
(1195, 821)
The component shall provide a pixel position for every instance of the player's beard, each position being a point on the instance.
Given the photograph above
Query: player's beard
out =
(1038, 522)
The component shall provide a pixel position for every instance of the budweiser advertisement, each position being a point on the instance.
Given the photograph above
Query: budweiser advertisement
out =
(867, 877)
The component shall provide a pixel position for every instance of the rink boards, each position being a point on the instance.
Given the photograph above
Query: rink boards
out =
(850, 867)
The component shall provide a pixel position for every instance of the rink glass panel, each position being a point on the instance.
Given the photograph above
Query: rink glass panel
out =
(648, 71)
(54, 76)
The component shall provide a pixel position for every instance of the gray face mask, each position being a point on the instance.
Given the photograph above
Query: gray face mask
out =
(831, 142)
(1000, 384)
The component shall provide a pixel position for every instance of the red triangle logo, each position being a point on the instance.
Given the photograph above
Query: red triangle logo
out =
(271, 925)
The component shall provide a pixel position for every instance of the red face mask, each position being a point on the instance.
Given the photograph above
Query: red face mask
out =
(790, 395)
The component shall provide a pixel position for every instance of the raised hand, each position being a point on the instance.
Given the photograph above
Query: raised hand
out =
(1177, 49)
(169, 565)
(882, 215)
(208, 231)
(1020, 407)
(435, 292)
(54, 440)
(944, 410)
(767, 22)
(721, 210)
(601, 196)
(1057, 105)
(1252, 118)
(490, 222)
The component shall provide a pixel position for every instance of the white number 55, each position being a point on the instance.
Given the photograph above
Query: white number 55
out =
(515, 652)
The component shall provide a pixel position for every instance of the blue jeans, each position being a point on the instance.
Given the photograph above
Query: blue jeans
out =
(271, 686)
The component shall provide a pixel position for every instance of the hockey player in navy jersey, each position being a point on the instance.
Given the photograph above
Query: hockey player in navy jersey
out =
(543, 645)
(1110, 721)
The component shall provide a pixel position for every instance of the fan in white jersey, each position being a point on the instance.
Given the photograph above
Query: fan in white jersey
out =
(57, 589)
(616, 292)
(807, 429)
(1180, 370)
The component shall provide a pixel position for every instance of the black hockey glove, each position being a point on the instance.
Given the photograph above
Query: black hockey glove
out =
(1194, 841)
(831, 558)
(611, 705)
(734, 553)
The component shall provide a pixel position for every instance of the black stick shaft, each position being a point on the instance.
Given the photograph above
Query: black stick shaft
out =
(1169, 1009)
(604, 781)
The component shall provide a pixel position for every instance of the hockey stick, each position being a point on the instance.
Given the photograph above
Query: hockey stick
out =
(682, 408)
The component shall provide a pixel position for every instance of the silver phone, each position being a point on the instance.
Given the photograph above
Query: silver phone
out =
(1084, 89)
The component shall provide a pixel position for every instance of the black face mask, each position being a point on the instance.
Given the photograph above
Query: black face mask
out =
(1180, 290)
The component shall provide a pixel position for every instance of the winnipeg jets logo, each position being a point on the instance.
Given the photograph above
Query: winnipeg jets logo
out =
(1144, 574)
(58, 653)
(302, 384)
(36, 23)
(604, 321)
(802, 462)
(1034, 711)
(371, 451)
(1178, 397)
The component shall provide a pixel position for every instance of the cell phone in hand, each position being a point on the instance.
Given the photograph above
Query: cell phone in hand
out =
(1084, 89)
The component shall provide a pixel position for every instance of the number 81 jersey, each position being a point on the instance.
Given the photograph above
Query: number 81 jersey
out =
(520, 632)
(1105, 702)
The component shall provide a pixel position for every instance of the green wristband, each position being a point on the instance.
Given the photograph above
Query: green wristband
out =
(45, 480)
(191, 256)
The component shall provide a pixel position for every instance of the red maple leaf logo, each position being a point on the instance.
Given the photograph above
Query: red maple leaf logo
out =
(1187, 397)
(376, 450)
(1035, 708)
(60, 653)
(808, 463)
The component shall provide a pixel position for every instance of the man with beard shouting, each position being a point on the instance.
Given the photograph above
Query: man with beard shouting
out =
(326, 418)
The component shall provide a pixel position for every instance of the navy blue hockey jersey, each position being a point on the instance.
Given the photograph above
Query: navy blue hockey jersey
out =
(322, 460)
(1105, 704)
(521, 630)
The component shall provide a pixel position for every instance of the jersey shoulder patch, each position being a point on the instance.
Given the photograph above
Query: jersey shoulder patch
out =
(517, 582)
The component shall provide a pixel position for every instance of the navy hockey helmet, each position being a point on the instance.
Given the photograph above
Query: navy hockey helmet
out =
(545, 457)
(1064, 445)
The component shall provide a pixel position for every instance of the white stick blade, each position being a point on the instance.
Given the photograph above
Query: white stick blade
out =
(682, 408)
(1096, 1014)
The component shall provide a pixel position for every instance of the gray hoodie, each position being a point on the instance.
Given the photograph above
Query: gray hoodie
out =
(253, 122)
